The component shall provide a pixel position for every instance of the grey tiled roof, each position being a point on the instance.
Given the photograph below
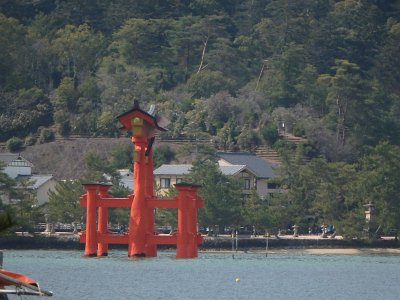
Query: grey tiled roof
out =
(260, 167)
(184, 169)
(231, 170)
(35, 181)
(39, 180)
(173, 169)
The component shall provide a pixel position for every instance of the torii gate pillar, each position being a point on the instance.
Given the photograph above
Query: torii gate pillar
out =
(141, 220)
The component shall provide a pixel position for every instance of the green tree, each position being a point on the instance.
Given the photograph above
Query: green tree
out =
(163, 154)
(282, 76)
(98, 168)
(345, 99)
(6, 219)
(141, 42)
(320, 189)
(248, 139)
(25, 210)
(122, 156)
(15, 144)
(218, 110)
(387, 63)
(12, 41)
(377, 183)
(7, 185)
(270, 134)
(79, 50)
(46, 136)
(107, 125)
(24, 112)
(207, 83)
(167, 216)
(66, 96)
(222, 195)
(64, 202)
(226, 136)
(256, 212)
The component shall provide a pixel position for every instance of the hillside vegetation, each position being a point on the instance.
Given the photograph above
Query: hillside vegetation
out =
(326, 69)
(236, 72)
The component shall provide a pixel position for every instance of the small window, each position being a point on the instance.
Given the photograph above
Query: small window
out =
(165, 182)
(246, 184)
(272, 185)
(179, 180)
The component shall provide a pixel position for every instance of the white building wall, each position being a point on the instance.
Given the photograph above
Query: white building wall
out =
(13, 171)
(42, 193)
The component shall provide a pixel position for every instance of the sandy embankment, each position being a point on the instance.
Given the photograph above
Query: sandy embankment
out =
(352, 251)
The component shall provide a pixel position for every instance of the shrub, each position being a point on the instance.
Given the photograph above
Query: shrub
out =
(30, 140)
(299, 130)
(270, 134)
(15, 144)
(46, 135)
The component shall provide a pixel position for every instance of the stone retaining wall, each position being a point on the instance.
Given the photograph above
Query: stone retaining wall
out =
(210, 243)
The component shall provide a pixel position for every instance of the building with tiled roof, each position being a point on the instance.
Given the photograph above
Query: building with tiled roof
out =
(20, 169)
(15, 165)
(260, 171)
(254, 171)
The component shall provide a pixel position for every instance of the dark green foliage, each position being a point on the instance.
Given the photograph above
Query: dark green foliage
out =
(15, 144)
(64, 205)
(7, 186)
(207, 83)
(6, 220)
(46, 136)
(94, 58)
(270, 134)
(222, 195)
(24, 112)
(163, 155)
(30, 140)
(122, 156)
(221, 70)
(256, 212)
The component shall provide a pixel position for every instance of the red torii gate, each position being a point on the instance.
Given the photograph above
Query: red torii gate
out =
(141, 237)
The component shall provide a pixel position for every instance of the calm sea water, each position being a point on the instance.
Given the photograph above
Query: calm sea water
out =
(211, 276)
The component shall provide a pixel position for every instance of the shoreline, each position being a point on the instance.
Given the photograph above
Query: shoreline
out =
(223, 244)
(313, 251)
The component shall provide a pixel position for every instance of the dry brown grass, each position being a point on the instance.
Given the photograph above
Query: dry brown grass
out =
(65, 158)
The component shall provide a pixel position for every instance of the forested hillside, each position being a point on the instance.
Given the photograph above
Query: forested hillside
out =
(329, 70)
(236, 71)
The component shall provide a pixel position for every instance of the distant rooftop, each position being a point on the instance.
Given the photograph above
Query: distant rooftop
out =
(259, 166)
(126, 178)
(231, 170)
(35, 181)
(181, 169)
(9, 158)
(184, 169)
(39, 180)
